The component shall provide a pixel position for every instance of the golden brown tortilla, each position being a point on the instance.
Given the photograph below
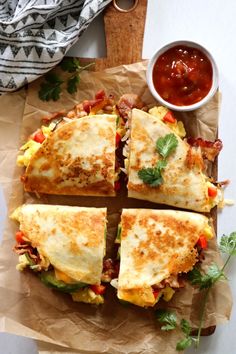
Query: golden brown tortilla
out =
(78, 158)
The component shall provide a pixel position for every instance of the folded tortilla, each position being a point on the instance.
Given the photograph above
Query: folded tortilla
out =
(78, 158)
(183, 186)
(156, 245)
(71, 239)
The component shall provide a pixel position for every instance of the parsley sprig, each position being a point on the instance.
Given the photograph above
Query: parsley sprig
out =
(205, 281)
(51, 88)
(153, 175)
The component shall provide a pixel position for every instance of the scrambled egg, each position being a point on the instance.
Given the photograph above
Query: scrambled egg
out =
(32, 146)
(208, 232)
(177, 127)
(167, 293)
(29, 149)
(16, 214)
(23, 262)
(218, 199)
(88, 296)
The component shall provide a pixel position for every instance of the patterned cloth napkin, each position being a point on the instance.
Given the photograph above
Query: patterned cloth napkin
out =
(36, 34)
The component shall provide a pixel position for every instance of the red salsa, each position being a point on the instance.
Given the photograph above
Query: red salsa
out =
(182, 75)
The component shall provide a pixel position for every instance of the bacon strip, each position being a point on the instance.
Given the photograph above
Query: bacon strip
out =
(26, 248)
(174, 281)
(110, 270)
(194, 158)
(53, 115)
(210, 149)
(39, 262)
(127, 102)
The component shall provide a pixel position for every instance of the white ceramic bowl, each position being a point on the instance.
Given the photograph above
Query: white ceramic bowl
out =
(170, 105)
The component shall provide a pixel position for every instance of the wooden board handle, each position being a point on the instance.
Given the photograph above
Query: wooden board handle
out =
(124, 36)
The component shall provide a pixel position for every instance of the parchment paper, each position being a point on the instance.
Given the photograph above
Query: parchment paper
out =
(29, 308)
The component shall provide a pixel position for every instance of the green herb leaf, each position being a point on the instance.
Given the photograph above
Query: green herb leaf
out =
(195, 276)
(72, 84)
(185, 326)
(118, 235)
(166, 145)
(205, 281)
(184, 344)
(51, 89)
(168, 318)
(152, 176)
(70, 65)
(228, 244)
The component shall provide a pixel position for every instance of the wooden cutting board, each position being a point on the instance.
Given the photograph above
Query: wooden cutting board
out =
(124, 32)
(124, 36)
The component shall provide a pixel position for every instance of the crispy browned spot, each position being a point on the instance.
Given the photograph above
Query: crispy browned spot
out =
(65, 134)
(162, 242)
(44, 185)
(127, 222)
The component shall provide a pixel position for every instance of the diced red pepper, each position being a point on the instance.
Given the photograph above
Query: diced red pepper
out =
(169, 118)
(19, 237)
(100, 94)
(202, 242)
(212, 192)
(98, 289)
(86, 106)
(39, 137)
(118, 139)
(117, 186)
(156, 293)
(96, 102)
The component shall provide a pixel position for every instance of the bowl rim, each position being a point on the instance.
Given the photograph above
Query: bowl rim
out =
(215, 75)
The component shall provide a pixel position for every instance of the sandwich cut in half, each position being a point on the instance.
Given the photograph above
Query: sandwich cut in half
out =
(157, 249)
(164, 168)
(64, 246)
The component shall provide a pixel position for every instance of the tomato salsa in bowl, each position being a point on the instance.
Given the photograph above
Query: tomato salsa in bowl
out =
(182, 75)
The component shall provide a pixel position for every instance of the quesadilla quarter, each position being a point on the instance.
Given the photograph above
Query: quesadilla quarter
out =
(64, 246)
(164, 168)
(78, 158)
(157, 247)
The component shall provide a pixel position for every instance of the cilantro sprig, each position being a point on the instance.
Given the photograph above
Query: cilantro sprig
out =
(51, 88)
(167, 318)
(166, 145)
(153, 175)
(169, 321)
(205, 282)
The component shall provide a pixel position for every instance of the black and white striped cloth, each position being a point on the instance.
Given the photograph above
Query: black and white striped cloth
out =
(36, 34)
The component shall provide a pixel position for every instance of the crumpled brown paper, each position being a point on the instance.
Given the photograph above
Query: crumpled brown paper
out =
(29, 308)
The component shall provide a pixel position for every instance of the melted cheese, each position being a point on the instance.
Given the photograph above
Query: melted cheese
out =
(64, 277)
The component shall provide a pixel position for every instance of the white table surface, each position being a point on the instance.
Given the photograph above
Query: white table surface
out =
(211, 23)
